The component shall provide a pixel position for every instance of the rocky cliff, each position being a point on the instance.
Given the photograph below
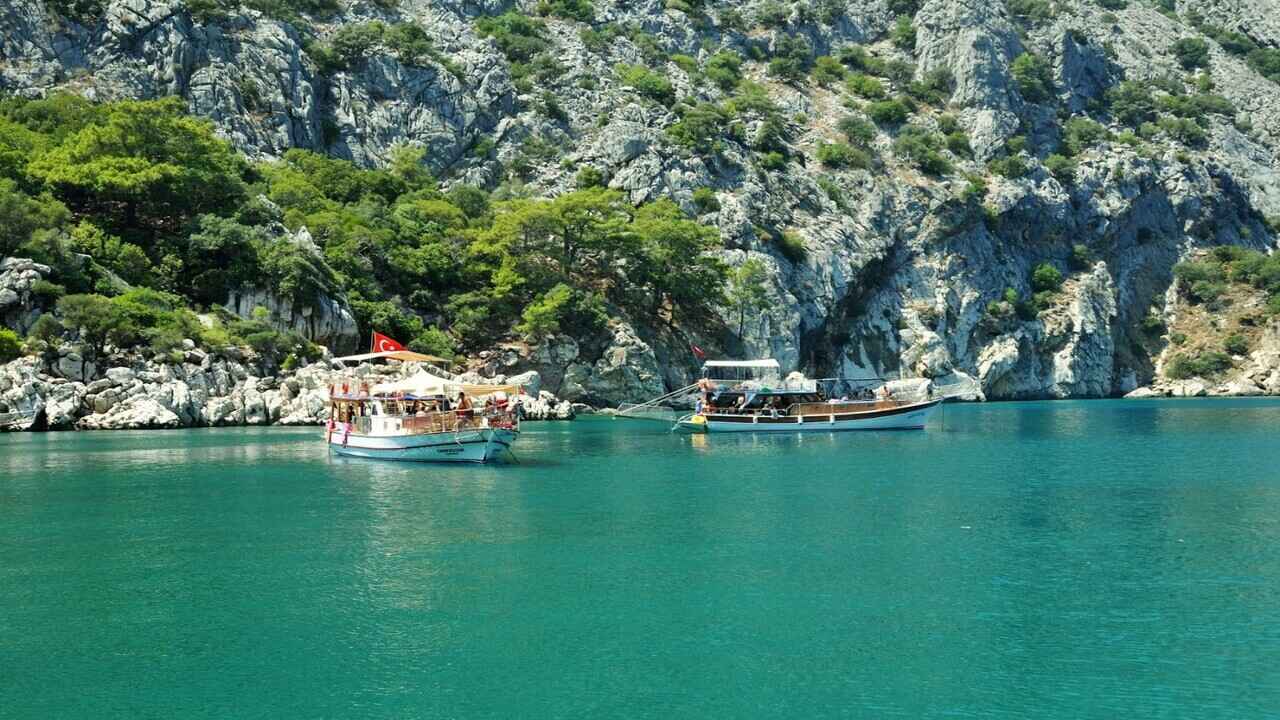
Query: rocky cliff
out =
(199, 389)
(890, 265)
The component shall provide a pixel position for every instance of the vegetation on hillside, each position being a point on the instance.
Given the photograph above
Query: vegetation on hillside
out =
(137, 205)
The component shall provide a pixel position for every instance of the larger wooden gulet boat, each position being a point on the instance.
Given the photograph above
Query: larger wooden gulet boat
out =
(751, 396)
(424, 417)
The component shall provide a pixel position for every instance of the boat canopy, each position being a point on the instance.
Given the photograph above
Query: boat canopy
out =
(402, 355)
(768, 363)
(424, 384)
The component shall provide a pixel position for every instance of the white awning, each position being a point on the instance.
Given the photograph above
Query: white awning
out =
(421, 384)
(424, 384)
(403, 355)
(767, 363)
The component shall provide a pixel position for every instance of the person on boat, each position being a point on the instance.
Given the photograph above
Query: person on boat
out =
(465, 408)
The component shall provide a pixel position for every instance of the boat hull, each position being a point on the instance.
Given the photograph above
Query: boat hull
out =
(907, 417)
(474, 445)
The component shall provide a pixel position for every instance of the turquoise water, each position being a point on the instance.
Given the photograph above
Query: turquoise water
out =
(1066, 560)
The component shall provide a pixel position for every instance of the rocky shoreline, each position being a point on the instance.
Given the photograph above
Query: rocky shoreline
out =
(224, 389)
(204, 390)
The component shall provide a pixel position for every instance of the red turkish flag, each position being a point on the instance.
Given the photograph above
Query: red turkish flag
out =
(382, 343)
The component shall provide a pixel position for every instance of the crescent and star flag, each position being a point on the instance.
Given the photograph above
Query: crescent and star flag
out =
(382, 343)
(697, 352)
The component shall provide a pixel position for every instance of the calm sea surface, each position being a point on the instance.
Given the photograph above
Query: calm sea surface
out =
(1051, 560)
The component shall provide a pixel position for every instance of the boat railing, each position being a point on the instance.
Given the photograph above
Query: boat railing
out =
(435, 421)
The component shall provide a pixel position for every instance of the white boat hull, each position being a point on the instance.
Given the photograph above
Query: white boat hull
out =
(473, 445)
(911, 417)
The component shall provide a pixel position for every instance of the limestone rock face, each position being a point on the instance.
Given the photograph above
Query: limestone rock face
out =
(327, 319)
(976, 42)
(17, 301)
(219, 390)
(898, 268)
(138, 413)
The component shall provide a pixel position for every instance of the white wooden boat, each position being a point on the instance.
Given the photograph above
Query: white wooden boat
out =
(817, 417)
(424, 418)
(749, 396)
(465, 444)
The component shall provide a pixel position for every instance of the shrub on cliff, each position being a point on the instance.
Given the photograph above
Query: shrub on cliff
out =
(724, 69)
(1191, 52)
(1046, 278)
(1080, 133)
(865, 86)
(842, 155)
(827, 71)
(1062, 168)
(903, 33)
(518, 36)
(921, 148)
(10, 347)
(791, 58)
(1236, 344)
(889, 112)
(699, 127)
(859, 132)
(1033, 77)
(1206, 364)
(646, 83)
(1131, 103)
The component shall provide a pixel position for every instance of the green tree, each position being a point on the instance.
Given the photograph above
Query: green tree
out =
(646, 83)
(1046, 278)
(1131, 103)
(541, 318)
(747, 293)
(699, 127)
(827, 70)
(673, 261)
(220, 256)
(1191, 52)
(1033, 76)
(45, 337)
(10, 346)
(94, 317)
(147, 167)
(21, 215)
(724, 69)
(842, 155)
(889, 112)
(903, 33)
(434, 341)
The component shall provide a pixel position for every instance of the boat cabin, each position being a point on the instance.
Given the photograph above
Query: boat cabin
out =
(755, 387)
